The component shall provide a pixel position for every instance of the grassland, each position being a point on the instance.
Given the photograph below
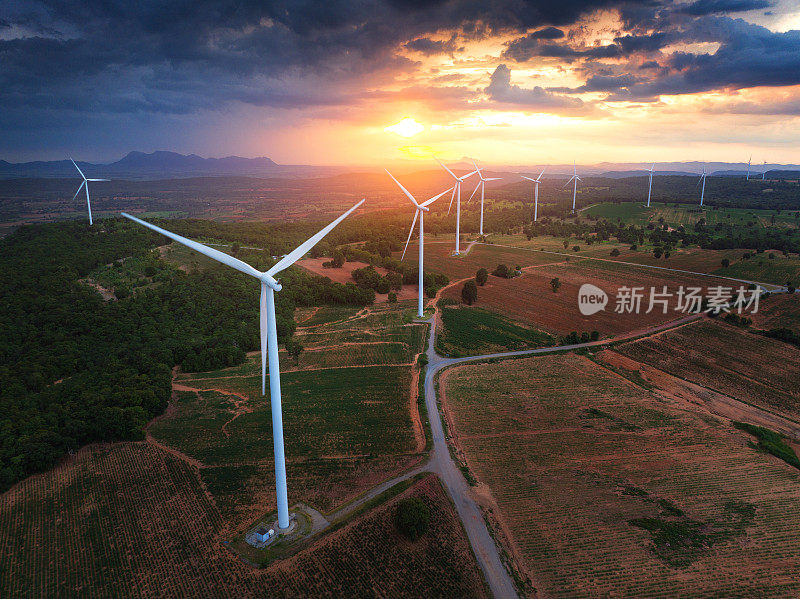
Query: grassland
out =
(133, 520)
(472, 331)
(603, 488)
(751, 368)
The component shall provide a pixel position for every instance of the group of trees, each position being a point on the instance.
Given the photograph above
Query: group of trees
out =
(77, 369)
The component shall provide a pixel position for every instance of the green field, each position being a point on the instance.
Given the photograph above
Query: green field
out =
(472, 331)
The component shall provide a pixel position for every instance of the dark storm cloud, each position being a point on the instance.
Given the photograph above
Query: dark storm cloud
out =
(710, 7)
(533, 99)
(429, 47)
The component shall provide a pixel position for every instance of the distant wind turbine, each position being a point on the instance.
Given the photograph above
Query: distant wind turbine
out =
(482, 185)
(764, 172)
(457, 194)
(85, 185)
(650, 184)
(575, 178)
(269, 335)
(420, 211)
(535, 193)
(703, 180)
(748, 168)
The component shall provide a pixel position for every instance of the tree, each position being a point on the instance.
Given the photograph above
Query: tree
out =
(615, 252)
(657, 252)
(576, 248)
(566, 243)
(555, 284)
(235, 247)
(392, 297)
(412, 517)
(337, 259)
(503, 271)
(294, 348)
(481, 276)
(469, 293)
(726, 263)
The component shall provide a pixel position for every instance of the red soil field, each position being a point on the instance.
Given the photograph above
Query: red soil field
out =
(132, 520)
(530, 300)
(778, 311)
(345, 275)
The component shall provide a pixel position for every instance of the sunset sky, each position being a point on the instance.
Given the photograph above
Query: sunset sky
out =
(365, 82)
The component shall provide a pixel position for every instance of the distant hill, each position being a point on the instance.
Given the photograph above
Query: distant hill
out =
(163, 165)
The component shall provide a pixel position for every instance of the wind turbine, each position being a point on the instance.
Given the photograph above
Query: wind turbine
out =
(650, 184)
(748, 168)
(269, 336)
(420, 211)
(482, 185)
(574, 178)
(764, 172)
(535, 193)
(703, 189)
(456, 193)
(85, 184)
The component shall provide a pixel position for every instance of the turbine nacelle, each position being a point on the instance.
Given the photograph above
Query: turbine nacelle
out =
(270, 281)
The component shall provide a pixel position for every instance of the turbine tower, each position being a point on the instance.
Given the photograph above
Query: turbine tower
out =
(457, 194)
(650, 184)
(482, 185)
(85, 184)
(703, 189)
(269, 335)
(420, 211)
(748, 168)
(575, 178)
(764, 172)
(535, 193)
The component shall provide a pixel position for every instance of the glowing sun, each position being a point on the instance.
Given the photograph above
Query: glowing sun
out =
(408, 127)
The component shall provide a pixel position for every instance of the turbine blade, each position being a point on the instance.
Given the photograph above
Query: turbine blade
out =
(434, 198)
(570, 181)
(79, 190)
(410, 233)
(467, 176)
(528, 178)
(79, 170)
(452, 195)
(474, 190)
(542, 173)
(301, 249)
(262, 318)
(493, 179)
(405, 191)
(98, 179)
(445, 168)
(203, 249)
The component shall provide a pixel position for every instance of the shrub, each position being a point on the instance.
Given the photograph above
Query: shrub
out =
(726, 263)
(615, 252)
(392, 297)
(555, 283)
(469, 293)
(576, 248)
(481, 276)
(412, 517)
(503, 271)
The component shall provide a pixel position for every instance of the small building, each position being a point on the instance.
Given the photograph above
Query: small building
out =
(262, 534)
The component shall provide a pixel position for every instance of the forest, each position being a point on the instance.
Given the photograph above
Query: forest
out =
(77, 369)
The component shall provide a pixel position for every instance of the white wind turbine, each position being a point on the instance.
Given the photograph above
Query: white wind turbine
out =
(703, 189)
(535, 193)
(574, 178)
(764, 172)
(420, 211)
(83, 185)
(457, 194)
(748, 168)
(650, 184)
(482, 185)
(269, 336)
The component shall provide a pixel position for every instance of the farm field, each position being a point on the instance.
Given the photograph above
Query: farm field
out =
(439, 260)
(530, 300)
(132, 520)
(778, 270)
(778, 311)
(689, 214)
(605, 488)
(471, 331)
(349, 407)
(345, 275)
(754, 369)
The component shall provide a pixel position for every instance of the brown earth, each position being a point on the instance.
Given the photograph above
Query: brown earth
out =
(345, 275)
